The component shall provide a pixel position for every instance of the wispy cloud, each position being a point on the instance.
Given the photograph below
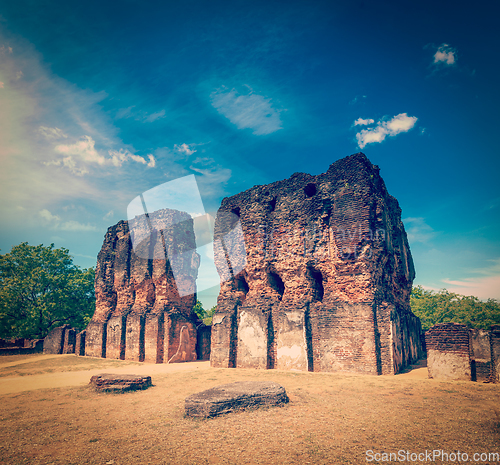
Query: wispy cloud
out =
(52, 133)
(396, 125)
(154, 116)
(139, 115)
(483, 288)
(248, 111)
(55, 222)
(445, 54)
(418, 230)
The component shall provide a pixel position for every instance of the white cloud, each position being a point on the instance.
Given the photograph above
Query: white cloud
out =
(483, 288)
(84, 149)
(184, 148)
(445, 54)
(109, 215)
(54, 222)
(118, 157)
(49, 217)
(363, 122)
(249, 111)
(398, 124)
(417, 230)
(52, 133)
(83, 153)
(154, 116)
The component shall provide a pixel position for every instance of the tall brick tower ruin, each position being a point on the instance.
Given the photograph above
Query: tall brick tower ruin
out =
(326, 280)
(140, 314)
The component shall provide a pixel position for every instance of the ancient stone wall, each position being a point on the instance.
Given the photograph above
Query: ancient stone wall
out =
(326, 275)
(140, 314)
(495, 353)
(455, 351)
(448, 351)
(480, 355)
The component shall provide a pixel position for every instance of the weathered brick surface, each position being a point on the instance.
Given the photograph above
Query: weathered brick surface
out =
(69, 341)
(54, 341)
(480, 355)
(326, 280)
(139, 311)
(80, 343)
(204, 334)
(448, 351)
(495, 352)
(448, 337)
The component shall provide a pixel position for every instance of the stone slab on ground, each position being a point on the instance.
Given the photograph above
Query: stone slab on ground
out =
(235, 396)
(108, 382)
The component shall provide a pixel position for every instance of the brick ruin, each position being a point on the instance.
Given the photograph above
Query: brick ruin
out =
(326, 276)
(457, 352)
(140, 314)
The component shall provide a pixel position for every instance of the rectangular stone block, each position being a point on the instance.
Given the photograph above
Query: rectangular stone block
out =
(252, 338)
(448, 365)
(153, 338)
(134, 339)
(495, 352)
(54, 341)
(80, 343)
(345, 338)
(95, 339)
(222, 346)
(291, 342)
(115, 338)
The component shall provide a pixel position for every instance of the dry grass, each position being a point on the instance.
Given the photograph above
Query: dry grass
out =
(332, 418)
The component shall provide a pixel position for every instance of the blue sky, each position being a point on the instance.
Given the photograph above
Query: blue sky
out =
(101, 101)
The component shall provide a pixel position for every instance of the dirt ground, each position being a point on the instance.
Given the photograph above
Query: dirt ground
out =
(49, 414)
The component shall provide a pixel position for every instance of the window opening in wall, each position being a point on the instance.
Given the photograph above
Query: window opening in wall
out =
(310, 189)
(316, 279)
(276, 283)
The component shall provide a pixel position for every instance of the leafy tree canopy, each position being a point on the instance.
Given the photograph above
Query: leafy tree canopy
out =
(41, 288)
(203, 314)
(445, 307)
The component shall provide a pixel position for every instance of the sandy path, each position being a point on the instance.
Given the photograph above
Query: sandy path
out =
(28, 360)
(81, 378)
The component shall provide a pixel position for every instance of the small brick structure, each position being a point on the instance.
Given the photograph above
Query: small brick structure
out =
(60, 340)
(106, 382)
(457, 352)
(21, 346)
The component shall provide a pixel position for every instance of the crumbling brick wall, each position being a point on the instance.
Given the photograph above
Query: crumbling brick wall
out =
(326, 276)
(455, 351)
(140, 315)
(480, 355)
(448, 351)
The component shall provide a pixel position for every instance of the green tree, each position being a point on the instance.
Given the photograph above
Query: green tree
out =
(444, 307)
(41, 288)
(204, 315)
(199, 310)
